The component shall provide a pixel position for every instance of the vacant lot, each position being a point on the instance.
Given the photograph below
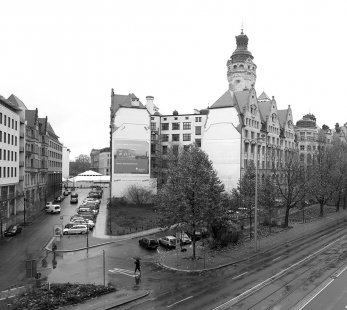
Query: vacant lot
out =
(128, 218)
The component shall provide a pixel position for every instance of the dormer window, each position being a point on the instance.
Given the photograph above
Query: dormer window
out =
(290, 123)
(273, 117)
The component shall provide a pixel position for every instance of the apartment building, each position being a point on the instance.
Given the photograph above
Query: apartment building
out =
(10, 192)
(100, 160)
(55, 163)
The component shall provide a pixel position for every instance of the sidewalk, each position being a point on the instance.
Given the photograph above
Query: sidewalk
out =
(72, 243)
(209, 259)
(108, 301)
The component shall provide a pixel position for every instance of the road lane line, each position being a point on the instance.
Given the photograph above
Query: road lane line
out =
(313, 295)
(123, 271)
(276, 259)
(177, 302)
(257, 287)
(239, 276)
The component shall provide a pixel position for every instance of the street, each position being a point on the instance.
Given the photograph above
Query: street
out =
(178, 290)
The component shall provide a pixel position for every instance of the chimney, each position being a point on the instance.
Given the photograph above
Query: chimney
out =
(149, 100)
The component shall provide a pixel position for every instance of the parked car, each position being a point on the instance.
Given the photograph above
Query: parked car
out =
(83, 221)
(57, 199)
(12, 230)
(168, 241)
(66, 193)
(91, 204)
(82, 209)
(76, 229)
(184, 239)
(148, 243)
(76, 216)
(69, 225)
(52, 208)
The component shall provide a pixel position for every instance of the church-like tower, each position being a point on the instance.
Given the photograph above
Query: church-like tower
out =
(241, 69)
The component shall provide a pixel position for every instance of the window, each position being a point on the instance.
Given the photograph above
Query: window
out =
(0, 118)
(165, 126)
(165, 118)
(4, 137)
(175, 137)
(9, 124)
(153, 126)
(164, 149)
(252, 135)
(11, 155)
(4, 172)
(175, 126)
(198, 119)
(198, 142)
(12, 123)
(0, 154)
(187, 126)
(246, 133)
(165, 138)
(15, 141)
(16, 125)
(198, 130)
(302, 148)
(8, 138)
(0, 136)
(152, 148)
(12, 139)
(186, 137)
(5, 125)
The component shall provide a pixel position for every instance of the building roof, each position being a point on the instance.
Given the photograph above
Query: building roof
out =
(89, 173)
(242, 99)
(125, 101)
(282, 116)
(17, 102)
(9, 104)
(265, 109)
(43, 125)
(263, 96)
(226, 100)
(31, 117)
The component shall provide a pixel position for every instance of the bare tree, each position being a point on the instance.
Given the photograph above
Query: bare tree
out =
(291, 188)
(139, 195)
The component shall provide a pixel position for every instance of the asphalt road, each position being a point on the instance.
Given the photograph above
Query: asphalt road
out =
(14, 251)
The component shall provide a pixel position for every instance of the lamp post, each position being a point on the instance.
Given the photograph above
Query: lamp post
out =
(259, 140)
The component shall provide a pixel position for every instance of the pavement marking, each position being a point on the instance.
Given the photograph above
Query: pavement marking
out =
(276, 259)
(257, 287)
(177, 302)
(313, 295)
(126, 272)
(239, 276)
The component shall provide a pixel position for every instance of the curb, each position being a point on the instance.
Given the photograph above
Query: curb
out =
(47, 246)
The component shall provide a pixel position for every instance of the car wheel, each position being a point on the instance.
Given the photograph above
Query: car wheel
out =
(65, 233)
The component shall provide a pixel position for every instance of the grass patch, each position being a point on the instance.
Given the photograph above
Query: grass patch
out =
(59, 295)
(125, 218)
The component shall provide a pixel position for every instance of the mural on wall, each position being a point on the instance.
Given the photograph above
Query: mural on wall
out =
(131, 156)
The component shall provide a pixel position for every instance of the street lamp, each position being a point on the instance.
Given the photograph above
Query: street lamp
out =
(259, 140)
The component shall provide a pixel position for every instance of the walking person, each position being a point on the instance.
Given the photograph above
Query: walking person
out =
(137, 265)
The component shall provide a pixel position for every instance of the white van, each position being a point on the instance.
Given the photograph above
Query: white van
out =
(52, 208)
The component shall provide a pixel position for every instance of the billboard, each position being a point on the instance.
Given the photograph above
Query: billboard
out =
(131, 156)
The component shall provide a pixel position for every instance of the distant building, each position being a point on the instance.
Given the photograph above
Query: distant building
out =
(100, 160)
(55, 163)
(66, 163)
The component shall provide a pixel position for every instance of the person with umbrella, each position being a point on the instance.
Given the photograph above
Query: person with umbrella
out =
(137, 265)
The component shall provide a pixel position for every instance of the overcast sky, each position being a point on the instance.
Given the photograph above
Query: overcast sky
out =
(63, 57)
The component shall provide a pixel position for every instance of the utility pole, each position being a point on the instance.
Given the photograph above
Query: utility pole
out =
(24, 210)
(110, 198)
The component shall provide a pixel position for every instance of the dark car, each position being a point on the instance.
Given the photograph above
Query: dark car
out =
(57, 199)
(12, 230)
(150, 244)
(74, 198)
(69, 225)
(66, 193)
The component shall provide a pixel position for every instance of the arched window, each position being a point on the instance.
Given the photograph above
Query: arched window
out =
(235, 66)
(302, 157)
(241, 66)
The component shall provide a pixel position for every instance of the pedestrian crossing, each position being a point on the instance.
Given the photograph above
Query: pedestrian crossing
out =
(126, 272)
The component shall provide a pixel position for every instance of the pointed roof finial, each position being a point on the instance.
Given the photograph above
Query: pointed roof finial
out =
(242, 27)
